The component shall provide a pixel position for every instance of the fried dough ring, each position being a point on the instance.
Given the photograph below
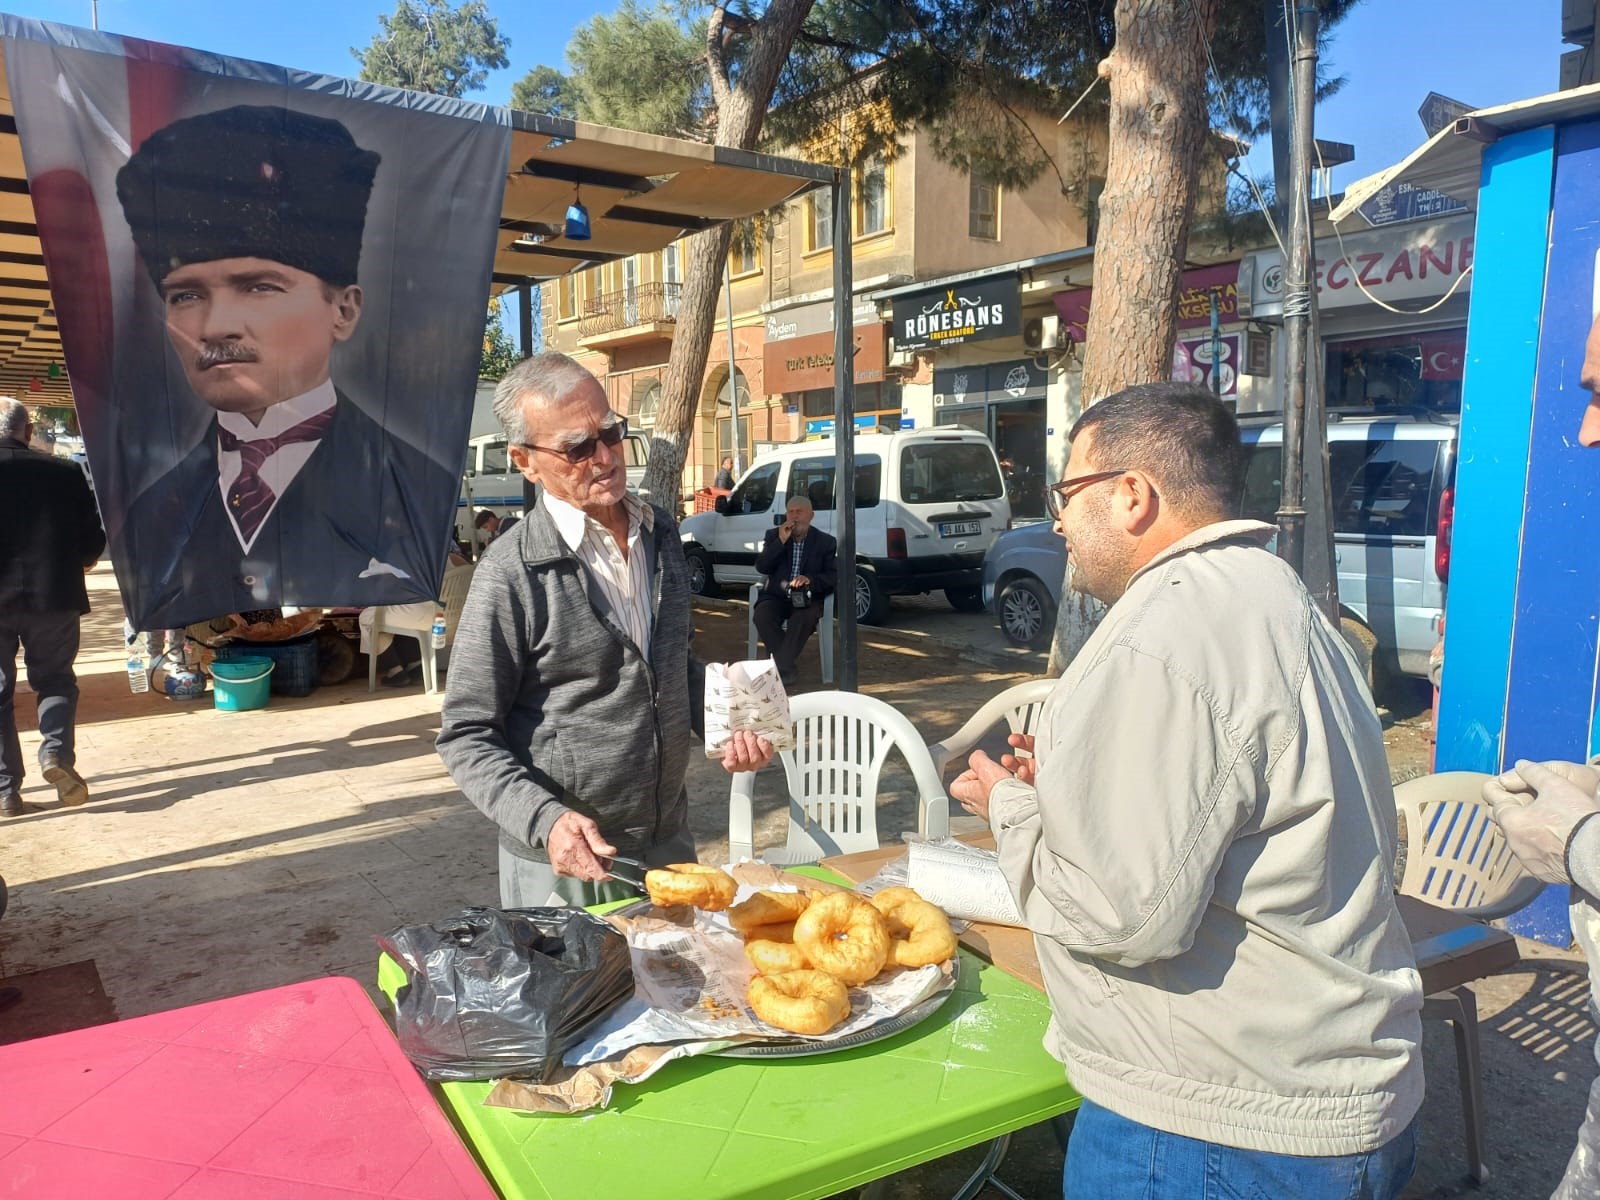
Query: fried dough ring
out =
(768, 908)
(807, 1002)
(921, 934)
(890, 898)
(843, 935)
(772, 933)
(710, 888)
(771, 950)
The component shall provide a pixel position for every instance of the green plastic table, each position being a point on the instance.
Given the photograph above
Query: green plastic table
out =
(711, 1127)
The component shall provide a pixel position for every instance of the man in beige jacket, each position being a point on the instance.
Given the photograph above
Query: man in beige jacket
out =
(1203, 844)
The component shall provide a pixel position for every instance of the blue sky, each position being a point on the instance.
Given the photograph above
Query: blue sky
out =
(1392, 51)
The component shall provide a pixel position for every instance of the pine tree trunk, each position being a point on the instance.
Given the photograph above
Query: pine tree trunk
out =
(742, 101)
(1159, 130)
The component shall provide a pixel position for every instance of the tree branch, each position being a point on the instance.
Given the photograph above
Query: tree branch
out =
(717, 55)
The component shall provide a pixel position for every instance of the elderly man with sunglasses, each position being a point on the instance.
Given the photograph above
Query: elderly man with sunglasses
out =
(1203, 843)
(573, 688)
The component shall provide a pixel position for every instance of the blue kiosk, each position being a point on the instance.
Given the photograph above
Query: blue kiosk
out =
(1522, 615)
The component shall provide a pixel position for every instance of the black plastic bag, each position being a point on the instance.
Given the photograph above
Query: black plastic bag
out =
(491, 994)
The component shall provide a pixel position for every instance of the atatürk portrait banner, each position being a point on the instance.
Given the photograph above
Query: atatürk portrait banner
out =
(270, 287)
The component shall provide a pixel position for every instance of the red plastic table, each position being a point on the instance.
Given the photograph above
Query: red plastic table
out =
(298, 1092)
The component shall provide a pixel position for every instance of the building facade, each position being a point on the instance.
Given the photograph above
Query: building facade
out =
(913, 217)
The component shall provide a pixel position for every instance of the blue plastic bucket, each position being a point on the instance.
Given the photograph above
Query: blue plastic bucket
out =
(241, 685)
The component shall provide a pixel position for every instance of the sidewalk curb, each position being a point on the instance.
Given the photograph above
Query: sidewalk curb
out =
(1024, 663)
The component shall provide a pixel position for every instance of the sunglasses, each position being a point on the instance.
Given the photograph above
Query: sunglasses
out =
(1057, 495)
(582, 452)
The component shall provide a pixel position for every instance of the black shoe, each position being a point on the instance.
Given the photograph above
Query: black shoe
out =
(12, 806)
(68, 783)
(410, 677)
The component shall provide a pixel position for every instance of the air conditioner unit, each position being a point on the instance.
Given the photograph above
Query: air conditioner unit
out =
(938, 399)
(902, 358)
(1043, 333)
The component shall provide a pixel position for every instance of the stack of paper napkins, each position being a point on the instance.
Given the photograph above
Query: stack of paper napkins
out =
(963, 880)
(746, 695)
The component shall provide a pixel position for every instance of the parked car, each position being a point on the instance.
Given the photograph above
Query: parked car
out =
(1022, 582)
(928, 503)
(1391, 477)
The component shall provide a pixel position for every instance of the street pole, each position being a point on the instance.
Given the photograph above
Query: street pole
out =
(1216, 345)
(1297, 294)
(844, 433)
(733, 376)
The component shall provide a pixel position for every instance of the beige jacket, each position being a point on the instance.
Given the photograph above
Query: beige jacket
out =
(1206, 865)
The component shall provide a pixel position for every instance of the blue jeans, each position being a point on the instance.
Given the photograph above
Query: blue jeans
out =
(49, 645)
(1112, 1158)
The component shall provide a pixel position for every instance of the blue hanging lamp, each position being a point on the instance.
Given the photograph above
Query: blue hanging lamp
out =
(577, 228)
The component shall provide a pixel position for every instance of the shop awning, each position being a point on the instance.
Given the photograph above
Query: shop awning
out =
(1450, 161)
(642, 193)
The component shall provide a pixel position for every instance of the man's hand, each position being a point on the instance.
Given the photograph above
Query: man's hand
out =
(972, 787)
(1025, 769)
(800, 581)
(1540, 806)
(785, 530)
(576, 846)
(745, 752)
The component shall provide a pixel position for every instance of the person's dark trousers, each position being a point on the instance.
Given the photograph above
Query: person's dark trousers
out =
(49, 646)
(784, 642)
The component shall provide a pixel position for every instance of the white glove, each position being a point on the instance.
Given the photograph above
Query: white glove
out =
(1540, 806)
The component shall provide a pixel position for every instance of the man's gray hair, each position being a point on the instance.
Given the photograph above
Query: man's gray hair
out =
(800, 498)
(13, 418)
(542, 378)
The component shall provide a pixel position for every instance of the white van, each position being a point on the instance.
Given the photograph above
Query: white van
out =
(492, 482)
(928, 503)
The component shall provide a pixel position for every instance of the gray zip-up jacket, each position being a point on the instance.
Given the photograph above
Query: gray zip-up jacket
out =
(1206, 865)
(550, 708)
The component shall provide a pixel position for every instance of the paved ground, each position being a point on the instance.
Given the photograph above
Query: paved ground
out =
(224, 852)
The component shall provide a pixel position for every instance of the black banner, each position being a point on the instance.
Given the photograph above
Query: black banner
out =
(270, 288)
(973, 311)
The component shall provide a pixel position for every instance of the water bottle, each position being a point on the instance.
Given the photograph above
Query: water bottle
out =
(138, 681)
(438, 631)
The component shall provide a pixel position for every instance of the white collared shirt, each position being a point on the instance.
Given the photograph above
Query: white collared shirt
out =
(279, 470)
(625, 581)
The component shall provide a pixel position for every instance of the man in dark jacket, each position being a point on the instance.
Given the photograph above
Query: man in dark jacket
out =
(798, 562)
(573, 689)
(50, 535)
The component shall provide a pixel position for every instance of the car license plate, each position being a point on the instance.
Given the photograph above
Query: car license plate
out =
(959, 528)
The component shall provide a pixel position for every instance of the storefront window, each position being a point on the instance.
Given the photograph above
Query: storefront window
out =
(879, 401)
(1416, 370)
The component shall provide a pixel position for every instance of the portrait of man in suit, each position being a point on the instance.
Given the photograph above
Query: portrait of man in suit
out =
(249, 222)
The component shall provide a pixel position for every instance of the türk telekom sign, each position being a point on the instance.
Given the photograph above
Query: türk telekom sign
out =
(1398, 262)
(972, 311)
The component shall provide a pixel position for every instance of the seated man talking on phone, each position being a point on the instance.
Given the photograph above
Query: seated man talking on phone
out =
(798, 562)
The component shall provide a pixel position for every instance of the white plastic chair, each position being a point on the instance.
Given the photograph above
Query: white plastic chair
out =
(1457, 858)
(1018, 706)
(452, 596)
(841, 742)
(823, 636)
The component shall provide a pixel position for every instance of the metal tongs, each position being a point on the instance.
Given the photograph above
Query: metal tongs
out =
(632, 873)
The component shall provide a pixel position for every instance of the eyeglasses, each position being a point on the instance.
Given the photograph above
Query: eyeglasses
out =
(1057, 495)
(582, 452)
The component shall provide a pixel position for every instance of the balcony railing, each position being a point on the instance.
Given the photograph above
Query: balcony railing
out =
(644, 304)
